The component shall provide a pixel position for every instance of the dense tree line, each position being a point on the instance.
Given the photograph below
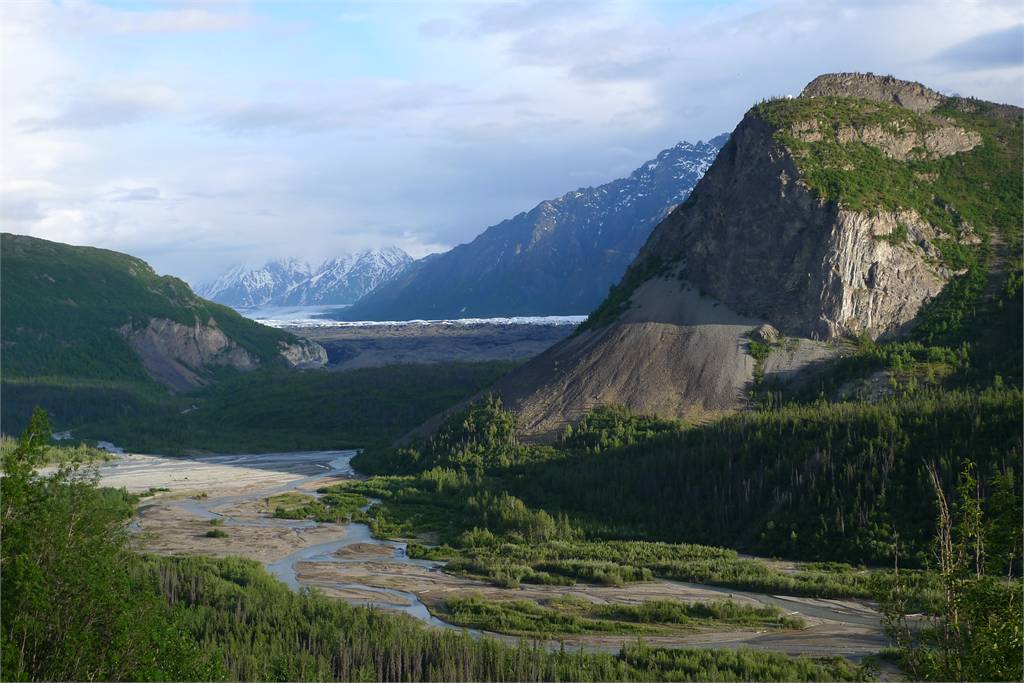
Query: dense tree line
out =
(72, 402)
(491, 535)
(822, 481)
(282, 410)
(481, 436)
(857, 481)
(818, 481)
(568, 614)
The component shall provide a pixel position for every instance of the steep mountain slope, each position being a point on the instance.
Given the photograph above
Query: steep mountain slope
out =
(78, 317)
(824, 217)
(557, 259)
(292, 282)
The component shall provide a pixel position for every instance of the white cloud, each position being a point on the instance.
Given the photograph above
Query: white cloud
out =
(103, 107)
(198, 134)
(133, 194)
(91, 17)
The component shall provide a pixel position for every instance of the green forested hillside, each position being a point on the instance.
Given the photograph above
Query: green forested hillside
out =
(63, 305)
(818, 482)
(62, 308)
(837, 482)
(980, 187)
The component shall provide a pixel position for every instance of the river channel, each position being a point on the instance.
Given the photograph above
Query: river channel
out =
(191, 496)
(325, 465)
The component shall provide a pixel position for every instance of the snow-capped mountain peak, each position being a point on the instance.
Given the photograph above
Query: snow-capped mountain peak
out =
(342, 279)
(558, 258)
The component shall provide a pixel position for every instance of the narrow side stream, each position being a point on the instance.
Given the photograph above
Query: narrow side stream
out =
(338, 464)
(314, 467)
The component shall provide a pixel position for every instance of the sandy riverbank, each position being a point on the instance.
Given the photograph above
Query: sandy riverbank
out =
(346, 563)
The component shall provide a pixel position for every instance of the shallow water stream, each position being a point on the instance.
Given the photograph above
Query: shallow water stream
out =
(851, 629)
(328, 464)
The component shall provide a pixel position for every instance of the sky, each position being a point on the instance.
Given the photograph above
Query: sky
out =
(198, 135)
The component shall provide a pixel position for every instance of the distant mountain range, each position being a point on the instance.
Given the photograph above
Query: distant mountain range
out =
(559, 258)
(293, 282)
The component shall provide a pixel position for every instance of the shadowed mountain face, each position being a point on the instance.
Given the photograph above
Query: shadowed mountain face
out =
(838, 214)
(559, 258)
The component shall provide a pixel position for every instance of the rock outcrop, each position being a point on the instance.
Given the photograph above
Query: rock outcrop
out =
(303, 353)
(760, 253)
(907, 94)
(179, 356)
(758, 240)
(939, 140)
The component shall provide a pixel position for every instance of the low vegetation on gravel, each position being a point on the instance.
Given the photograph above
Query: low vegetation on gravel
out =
(567, 615)
(78, 605)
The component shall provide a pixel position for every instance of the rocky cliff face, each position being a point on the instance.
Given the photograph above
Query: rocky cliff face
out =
(821, 218)
(907, 94)
(303, 353)
(758, 239)
(179, 356)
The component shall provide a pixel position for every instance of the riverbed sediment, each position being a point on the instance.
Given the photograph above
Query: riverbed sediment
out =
(192, 496)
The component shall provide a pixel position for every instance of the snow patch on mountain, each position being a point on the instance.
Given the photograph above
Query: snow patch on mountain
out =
(558, 258)
(339, 280)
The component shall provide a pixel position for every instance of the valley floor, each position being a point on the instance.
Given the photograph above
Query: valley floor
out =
(217, 506)
(374, 345)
